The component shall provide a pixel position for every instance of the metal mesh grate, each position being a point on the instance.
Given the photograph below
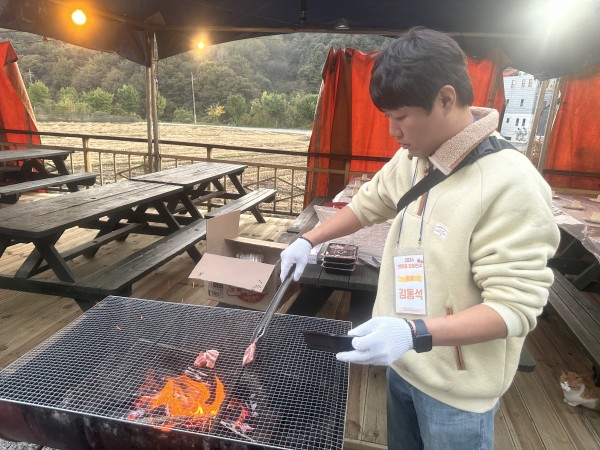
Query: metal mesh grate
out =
(97, 364)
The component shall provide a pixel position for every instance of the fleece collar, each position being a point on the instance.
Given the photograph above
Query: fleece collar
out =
(455, 149)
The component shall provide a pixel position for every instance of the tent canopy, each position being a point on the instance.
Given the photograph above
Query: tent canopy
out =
(519, 27)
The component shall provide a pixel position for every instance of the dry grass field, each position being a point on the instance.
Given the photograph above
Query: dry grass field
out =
(206, 134)
(260, 173)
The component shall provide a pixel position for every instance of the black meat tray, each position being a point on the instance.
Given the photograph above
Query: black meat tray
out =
(340, 253)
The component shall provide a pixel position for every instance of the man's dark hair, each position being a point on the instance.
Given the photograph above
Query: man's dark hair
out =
(412, 69)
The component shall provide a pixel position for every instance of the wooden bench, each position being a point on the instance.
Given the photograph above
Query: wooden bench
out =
(580, 315)
(247, 202)
(10, 193)
(118, 278)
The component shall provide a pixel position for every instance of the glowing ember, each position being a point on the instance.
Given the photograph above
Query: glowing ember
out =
(182, 401)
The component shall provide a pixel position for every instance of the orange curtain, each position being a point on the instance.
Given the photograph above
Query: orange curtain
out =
(574, 146)
(15, 109)
(486, 77)
(347, 122)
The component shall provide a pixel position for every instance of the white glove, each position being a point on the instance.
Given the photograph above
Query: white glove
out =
(380, 341)
(297, 253)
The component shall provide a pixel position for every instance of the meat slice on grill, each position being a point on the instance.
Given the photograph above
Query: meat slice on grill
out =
(207, 359)
(249, 354)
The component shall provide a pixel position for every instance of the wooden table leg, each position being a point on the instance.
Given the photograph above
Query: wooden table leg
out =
(35, 259)
(173, 225)
(237, 183)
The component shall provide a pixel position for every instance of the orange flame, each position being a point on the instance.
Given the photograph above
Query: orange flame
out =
(185, 401)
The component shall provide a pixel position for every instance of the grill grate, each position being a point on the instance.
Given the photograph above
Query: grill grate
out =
(97, 364)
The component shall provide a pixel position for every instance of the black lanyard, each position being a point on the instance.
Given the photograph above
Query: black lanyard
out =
(488, 146)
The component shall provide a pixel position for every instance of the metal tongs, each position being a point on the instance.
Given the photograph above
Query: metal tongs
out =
(261, 328)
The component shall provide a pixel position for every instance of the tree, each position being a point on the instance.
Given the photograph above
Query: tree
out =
(68, 92)
(182, 115)
(235, 107)
(214, 113)
(128, 98)
(275, 105)
(161, 105)
(68, 108)
(303, 109)
(39, 94)
(99, 100)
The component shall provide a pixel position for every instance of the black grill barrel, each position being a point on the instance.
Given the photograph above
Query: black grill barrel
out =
(76, 390)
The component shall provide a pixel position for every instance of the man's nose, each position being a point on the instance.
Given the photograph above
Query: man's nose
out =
(394, 130)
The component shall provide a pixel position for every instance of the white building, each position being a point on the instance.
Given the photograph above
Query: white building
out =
(521, 90)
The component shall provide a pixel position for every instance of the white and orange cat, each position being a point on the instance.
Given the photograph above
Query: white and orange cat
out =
(579, 390)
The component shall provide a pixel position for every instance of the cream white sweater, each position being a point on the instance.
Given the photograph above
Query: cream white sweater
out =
(488, 231)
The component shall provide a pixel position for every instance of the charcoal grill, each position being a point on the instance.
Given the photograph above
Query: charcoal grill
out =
(77, 389)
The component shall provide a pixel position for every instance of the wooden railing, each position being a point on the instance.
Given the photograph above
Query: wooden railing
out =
(284, 170)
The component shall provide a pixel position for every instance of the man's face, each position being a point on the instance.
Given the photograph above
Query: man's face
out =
(419, 132)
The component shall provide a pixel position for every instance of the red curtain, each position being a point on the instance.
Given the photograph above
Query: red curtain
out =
(15, 109)
(347, 122)
(574, 145)
(486, 77)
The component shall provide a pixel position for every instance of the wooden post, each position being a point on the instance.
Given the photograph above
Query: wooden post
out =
(149, 117)
(87, 162)
(154, 90)
(550, 124)
(536, 117)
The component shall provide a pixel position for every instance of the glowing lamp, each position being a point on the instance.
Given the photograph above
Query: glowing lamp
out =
(78, 17)
(200, 45)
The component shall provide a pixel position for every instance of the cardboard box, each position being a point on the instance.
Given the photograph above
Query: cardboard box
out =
(235, 281)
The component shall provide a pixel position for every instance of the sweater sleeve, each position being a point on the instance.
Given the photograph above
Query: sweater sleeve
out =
(376, 200)
(511, 244)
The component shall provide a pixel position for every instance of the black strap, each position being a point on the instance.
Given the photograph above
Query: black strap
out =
(488, 146)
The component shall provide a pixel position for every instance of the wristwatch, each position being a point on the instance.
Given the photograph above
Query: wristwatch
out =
(422, 341)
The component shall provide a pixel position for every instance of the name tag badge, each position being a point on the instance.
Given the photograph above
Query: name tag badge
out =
(409, 277)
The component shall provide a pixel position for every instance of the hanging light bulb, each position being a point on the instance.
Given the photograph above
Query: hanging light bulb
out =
(201, 45)
(78, 17)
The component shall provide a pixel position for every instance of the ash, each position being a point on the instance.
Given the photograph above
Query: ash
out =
(10, 445)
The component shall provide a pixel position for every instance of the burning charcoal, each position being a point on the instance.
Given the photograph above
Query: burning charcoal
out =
(207, 359)
(181, 402)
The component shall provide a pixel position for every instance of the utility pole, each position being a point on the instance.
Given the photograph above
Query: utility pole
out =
(30, 77)
(193, 97)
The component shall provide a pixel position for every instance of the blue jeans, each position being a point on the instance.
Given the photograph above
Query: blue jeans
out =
(417, 421)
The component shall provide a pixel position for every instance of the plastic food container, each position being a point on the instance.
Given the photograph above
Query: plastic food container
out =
(340, 258)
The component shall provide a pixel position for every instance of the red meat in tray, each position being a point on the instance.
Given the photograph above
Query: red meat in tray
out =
(340, 253)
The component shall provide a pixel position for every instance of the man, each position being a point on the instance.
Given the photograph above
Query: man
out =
(464, 264)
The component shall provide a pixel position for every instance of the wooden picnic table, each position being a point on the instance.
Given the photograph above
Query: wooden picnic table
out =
(160, 204)
(196, 180)
(577, 268)
(32, 159)
(115, 210)
(33, 174)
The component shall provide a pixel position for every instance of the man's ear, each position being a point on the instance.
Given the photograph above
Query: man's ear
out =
(447, 96)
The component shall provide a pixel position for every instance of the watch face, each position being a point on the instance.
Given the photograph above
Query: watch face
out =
(423, 340)
(423, 343)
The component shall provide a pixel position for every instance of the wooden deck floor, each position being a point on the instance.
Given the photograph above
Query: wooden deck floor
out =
(532, 414)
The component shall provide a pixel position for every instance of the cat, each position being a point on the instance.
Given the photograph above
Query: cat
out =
(578, 390)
